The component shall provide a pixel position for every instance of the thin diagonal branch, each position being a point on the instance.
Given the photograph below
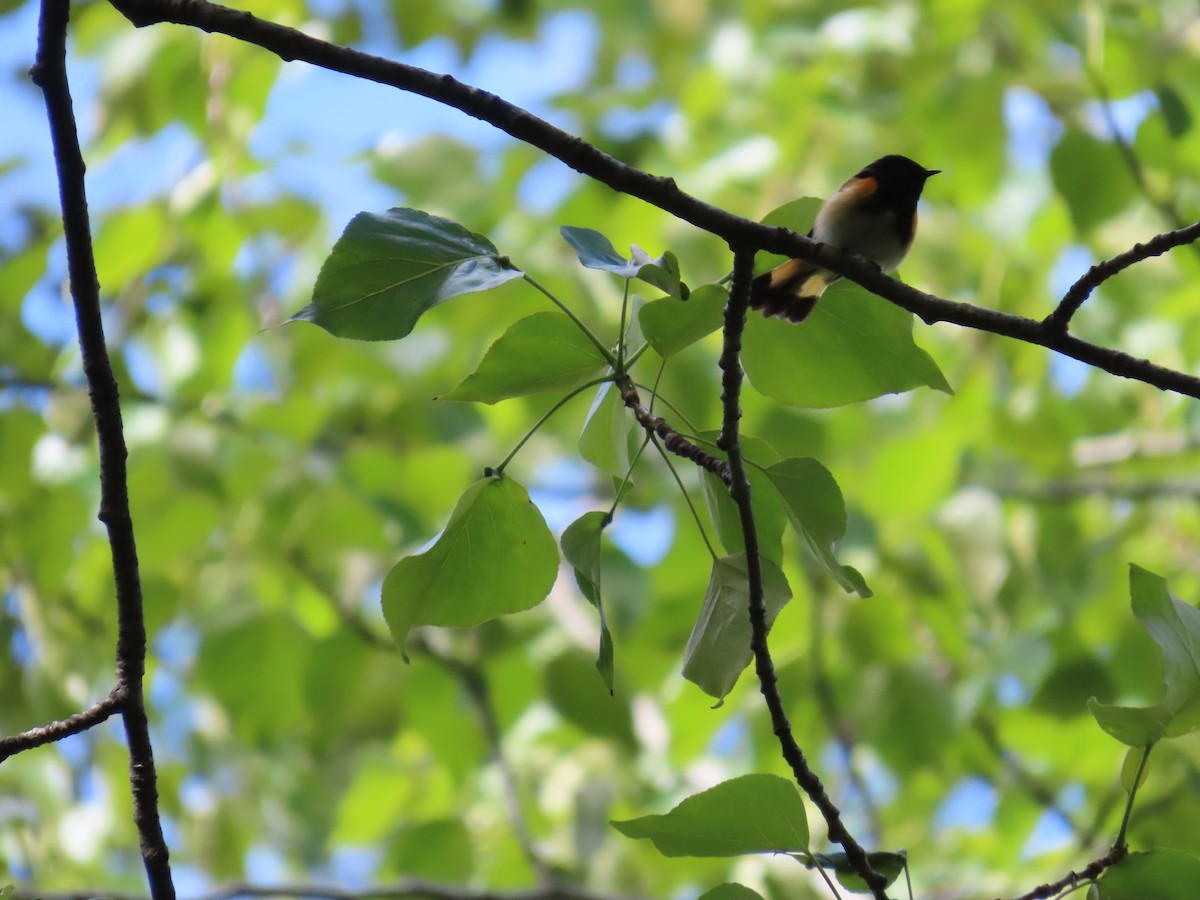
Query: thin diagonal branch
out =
(290, 44)
(1102, 271)
(739, 490)
(50, 74)
(411, 889)
(1088, 873)
(56, 731)
(672, 440)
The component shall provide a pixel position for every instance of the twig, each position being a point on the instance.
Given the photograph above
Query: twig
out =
(50, 74)
(1102, 271)
(739, 490)
(290, 44)
(403, 890)
(56, 731)
(672, 440)
(1088, 873)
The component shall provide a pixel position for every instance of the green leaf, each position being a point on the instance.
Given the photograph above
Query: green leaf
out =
(768, 511)
(885, 862)
(542, 352)
(597, 252)
(855, 346)
(605, 438)
(571, 686)
(387, 270)
(495, 556)
(731, 891)
(1160, 874)
(751, 814)
(581, 547)
(814, 505)
(662, 273)
(1174, 111)
(671, 324)
(1129, 769)
(1175, 627)
(1079, 164)
(441, 850)
(797, 215)
(719, 646)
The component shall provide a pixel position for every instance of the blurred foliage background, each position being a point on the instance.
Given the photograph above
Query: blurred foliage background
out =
(277, 473)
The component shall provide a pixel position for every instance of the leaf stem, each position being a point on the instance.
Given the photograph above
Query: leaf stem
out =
(679, 481)
(497, 471)
(1137, 778)
(636, 355)
(621, 330)
(604, 351)
(642, 449)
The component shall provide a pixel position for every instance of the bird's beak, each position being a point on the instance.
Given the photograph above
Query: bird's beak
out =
(929, 173)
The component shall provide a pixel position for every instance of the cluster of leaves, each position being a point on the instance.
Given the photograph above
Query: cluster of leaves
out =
(496, 554)
(991, 524)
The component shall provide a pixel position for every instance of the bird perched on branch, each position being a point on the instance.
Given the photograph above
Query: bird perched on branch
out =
(874, 215)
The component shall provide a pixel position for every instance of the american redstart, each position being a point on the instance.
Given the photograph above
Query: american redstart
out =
(874, 215)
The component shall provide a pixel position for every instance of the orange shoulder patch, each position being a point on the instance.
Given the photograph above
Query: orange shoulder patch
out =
(860, 188)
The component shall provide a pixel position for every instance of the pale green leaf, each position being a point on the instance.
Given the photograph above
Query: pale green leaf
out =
(719, 646)
(495, 556)
(542, 352)
(751, 814)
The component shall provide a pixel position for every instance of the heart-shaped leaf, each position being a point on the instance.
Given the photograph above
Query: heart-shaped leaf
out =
(387, 270)
(495, 556)
(1175, 627)
(542, 352)
(751, 814)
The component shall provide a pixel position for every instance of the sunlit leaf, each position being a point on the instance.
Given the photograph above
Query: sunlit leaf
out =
(581, 544)
(885, 862)
(719, 646)
(1161, 874)
(853, 347)
(389, 269)
(495, 556)
(571, 686)
(671, 324)
(1175, 627)
(750, 814)
(731, 891)
(542, 352)
(816, 510)
(1078, 164)
(606, 432)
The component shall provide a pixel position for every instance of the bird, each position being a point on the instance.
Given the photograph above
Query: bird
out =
(873, 215)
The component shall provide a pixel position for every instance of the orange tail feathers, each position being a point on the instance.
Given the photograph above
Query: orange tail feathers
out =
(791, 290)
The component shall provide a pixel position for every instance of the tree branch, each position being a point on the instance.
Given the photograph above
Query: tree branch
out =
(403, 890)
(1088, 873)
(50, 74)
(290, 44)
(56, 731)
(739, 490)
(672, 440)
(1102, 271)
